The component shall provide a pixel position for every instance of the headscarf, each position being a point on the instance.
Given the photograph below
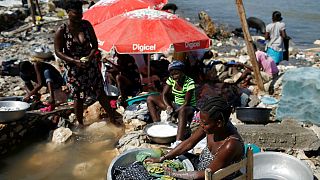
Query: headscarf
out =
(176, 65)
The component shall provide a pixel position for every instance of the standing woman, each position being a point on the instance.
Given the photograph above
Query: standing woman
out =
(275, 33)
(76, 44)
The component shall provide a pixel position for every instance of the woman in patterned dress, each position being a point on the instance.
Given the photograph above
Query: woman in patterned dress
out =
(224, 144)
(76, 44)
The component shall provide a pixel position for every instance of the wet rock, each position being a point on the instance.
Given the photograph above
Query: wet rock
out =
(93, 113)
(61, 135)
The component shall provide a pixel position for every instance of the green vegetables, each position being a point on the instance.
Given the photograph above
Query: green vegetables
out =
(154, 153)
(173, 164)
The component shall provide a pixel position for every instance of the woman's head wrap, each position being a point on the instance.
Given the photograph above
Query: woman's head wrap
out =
(176, 65)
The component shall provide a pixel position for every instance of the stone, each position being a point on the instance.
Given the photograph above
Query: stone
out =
(61, 135)
(274, 136)
(317, 42)
(207, 24)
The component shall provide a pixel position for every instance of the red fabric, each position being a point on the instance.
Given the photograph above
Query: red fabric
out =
(149, 31)
(106, 9)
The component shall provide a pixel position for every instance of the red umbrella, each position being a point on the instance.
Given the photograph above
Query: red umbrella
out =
(106, 9)
(149, 31)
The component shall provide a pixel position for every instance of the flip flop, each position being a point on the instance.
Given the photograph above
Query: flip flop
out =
(47, 109)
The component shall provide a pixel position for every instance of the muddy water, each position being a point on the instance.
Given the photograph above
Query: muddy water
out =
(87, 156)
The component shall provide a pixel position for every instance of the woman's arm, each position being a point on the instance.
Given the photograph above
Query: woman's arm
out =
(226, 154)
(39, 84)
(183, 147)
(165, 95)
(94, 41)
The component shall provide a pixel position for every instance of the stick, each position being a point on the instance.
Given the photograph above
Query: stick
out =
(249, 42)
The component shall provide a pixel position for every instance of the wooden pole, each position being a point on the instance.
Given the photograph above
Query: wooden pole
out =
(249, 42)
(31, 7)
(38, 6)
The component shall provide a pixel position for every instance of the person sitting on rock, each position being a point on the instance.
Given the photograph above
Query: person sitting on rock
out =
(182, 88)
(127, 77)
(43, 74)
(224, 144)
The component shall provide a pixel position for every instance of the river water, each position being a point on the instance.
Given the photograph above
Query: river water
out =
(302, 17)
(85, 157)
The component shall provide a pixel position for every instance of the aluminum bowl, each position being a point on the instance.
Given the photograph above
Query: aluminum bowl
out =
(8, 116)
(160, 140)
(11, 98)
(129, 157)
(254, 115)
(280, 166)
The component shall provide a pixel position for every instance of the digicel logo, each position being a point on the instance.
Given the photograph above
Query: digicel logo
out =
(192, 45)
(143, 47)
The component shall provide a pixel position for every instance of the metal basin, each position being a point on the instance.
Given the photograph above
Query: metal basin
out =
(11, 98)
(280, 166)
(129, 157)
(254, 115)
(163, 139)
(12, 115)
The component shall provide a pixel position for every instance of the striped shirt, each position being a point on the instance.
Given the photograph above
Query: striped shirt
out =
(179, 96)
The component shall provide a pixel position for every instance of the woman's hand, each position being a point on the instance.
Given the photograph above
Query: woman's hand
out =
(152, 160)
(169, 110)
(80, 64)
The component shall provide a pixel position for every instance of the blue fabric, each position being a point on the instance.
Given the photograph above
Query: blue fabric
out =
(54, 78)
(277, 56)
(176, 65)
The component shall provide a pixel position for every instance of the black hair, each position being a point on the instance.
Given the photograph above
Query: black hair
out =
(25, 66)
(276, 16)
(170, 6)
(73, 4)
(207, 55)
(217, 108)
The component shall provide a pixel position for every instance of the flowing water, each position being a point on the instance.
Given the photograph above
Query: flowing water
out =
(302, 17)
(86, 157)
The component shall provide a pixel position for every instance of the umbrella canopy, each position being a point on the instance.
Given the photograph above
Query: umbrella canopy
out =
(105, 9)
(149, 31)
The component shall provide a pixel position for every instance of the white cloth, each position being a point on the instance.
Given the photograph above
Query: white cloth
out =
(276, 41)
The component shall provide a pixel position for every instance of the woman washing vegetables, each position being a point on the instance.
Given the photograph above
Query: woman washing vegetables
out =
(224, 144)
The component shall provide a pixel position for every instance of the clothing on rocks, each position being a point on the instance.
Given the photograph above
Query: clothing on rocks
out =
(83, 81)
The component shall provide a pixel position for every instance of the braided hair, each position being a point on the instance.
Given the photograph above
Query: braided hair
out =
(217, 108)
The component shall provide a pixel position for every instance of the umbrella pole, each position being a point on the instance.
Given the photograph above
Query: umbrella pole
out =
(249, 42)
(149, 79)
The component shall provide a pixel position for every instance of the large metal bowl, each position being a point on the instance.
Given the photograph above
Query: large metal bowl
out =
(280, 166)
(8, 116)
(129, 157)
(160, 140)
(254, 115)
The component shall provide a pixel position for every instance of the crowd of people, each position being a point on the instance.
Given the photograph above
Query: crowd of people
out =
(76, 45)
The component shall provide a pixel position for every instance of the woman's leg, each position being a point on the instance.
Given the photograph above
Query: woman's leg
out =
(154, 102)
(78, 108)
(185, 115)
(104, 101)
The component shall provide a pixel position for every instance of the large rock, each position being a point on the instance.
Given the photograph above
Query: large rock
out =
(287, 135)
(300, 95)
(207, 24)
